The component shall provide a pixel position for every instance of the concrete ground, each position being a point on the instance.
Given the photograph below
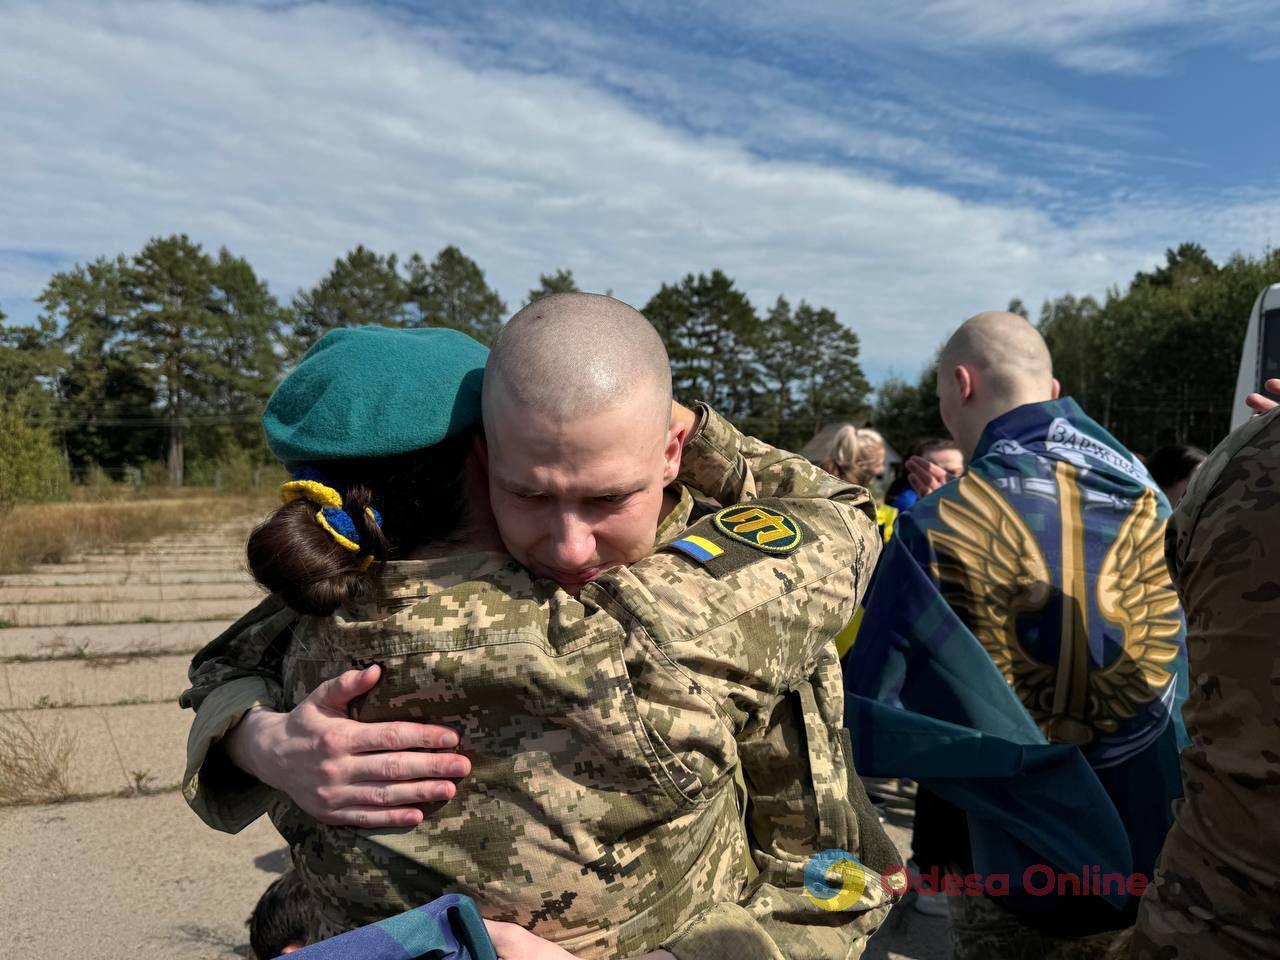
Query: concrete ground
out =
(137, 877)
(93, 655)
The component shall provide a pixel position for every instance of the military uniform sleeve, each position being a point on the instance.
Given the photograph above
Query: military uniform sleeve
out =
(239, 669)
(730, 467)
(755, 632)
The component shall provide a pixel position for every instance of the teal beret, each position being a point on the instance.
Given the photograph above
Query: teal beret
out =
(376, 392)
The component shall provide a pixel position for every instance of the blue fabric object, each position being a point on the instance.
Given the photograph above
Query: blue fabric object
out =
(309, 484)
(376, 392)
(339, 520)
(905, 500)
(999, 611)
(447, 928)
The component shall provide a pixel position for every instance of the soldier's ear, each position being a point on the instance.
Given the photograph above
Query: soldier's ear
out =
(671, 455)
(964, 381)
(1057, 389)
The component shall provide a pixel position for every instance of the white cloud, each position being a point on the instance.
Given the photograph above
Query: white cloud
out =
(292, 133)
(1091, 36)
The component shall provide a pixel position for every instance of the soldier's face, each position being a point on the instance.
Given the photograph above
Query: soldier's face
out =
(572, 499)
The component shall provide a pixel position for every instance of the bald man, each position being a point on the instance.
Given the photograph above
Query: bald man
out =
(1022, 636)
(727, 639)
(581, 447)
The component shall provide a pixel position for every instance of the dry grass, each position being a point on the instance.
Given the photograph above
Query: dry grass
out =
(56, 532)
(34, 760)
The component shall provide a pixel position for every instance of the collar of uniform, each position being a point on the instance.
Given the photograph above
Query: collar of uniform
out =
(396, 576)
(675, 522)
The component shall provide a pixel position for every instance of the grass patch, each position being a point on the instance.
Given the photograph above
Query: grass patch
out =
(34, 761)
(56, 532)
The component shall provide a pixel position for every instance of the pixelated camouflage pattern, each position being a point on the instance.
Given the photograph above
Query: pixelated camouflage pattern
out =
(604, 733)
(981, 929)
(1217, 887)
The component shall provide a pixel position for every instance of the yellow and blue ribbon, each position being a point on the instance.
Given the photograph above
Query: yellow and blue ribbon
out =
(332, 516)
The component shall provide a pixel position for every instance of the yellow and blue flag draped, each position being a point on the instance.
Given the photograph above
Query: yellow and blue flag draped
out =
(447, 928)
(1022, 654)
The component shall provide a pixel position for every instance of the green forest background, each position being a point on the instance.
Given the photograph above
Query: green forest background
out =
(152, 368)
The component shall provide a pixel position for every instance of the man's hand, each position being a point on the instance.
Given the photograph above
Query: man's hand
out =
(1260, 404)
(513, 942)
(342, 771)
(926, 477)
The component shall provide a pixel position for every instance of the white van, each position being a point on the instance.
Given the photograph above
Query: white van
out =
(1260, 360)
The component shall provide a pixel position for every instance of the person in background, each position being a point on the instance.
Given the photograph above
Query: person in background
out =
(1216, 887)
(940, 454)
(1172, 468)
(1022, 657)
(856, 455)
(279, 922)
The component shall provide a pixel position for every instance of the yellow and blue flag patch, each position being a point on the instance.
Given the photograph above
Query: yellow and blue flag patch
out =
(700, 548)
(734, 537)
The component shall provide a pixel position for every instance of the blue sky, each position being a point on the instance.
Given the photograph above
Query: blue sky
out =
(906, 165)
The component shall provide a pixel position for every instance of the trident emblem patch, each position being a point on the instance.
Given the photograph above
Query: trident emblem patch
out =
(762, 529)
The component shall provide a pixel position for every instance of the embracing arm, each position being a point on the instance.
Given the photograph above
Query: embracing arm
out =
(243, 743)
(237, 671)
(730, 467)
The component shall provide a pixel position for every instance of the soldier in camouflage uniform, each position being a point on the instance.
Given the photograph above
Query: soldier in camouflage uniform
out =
(606, 731)
(1215, 891)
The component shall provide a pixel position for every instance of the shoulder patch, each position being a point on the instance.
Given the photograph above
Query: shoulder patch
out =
(700, 548)
(768, 530)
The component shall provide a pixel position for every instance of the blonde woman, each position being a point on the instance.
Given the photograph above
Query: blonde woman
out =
(856, 455)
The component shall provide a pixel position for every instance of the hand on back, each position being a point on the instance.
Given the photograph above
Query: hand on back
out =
(342, 771)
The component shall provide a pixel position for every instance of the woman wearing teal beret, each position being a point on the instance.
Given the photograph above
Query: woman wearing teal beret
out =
(409, 418)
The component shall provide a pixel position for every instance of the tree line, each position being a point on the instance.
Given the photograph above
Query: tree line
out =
(1154, 362)
(169, 354)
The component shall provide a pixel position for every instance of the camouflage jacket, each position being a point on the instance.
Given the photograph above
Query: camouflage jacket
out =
(1217, 884)
(605, 731)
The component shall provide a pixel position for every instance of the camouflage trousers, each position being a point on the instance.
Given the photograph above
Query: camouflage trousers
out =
(981, 929)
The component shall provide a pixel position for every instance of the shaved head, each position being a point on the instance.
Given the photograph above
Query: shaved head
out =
(1005, 349)
(994, 363)
(580, 442)
(571, 354)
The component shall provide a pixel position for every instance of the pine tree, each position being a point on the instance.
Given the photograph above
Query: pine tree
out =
(98, 386)
(362, 288)
(451, 292)
(548, 283)
(203, 330)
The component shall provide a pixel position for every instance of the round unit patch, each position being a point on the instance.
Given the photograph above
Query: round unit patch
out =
(757, 527)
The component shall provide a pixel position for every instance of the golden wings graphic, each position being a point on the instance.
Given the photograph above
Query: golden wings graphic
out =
(992, 570)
